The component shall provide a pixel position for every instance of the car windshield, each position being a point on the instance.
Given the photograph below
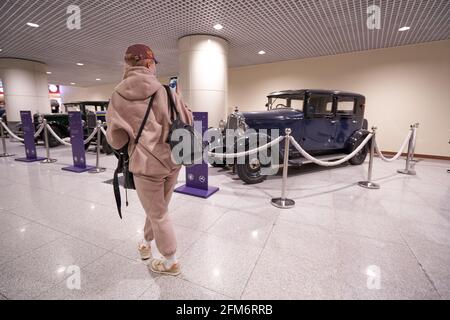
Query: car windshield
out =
(278, 103)
(91, 108)
(72, 107)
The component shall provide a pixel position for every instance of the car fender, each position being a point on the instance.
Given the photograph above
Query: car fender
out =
(61, 128)
(356, 138)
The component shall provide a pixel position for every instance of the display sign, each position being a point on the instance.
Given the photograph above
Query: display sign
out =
(28, 136)
(53, 89)
(77, 141)
(197, 176)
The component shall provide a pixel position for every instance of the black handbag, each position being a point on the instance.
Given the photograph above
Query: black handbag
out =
(124, 162)
(194, 155)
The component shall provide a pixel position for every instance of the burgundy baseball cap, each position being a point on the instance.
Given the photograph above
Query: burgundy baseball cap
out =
(141, 52)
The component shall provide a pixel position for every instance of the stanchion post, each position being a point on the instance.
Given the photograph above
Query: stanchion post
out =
(369, 184)
(97, 168)
(4, 154)
(47, 145)
(411, 149)
(413, 152)
(283, 202)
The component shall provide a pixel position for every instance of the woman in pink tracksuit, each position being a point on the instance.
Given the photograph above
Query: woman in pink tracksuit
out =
(155, 173)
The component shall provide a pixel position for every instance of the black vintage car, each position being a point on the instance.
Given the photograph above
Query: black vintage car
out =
(90, 112)
(327, 124)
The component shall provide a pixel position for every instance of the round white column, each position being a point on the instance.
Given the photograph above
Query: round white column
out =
(203, 75)
(25, 87)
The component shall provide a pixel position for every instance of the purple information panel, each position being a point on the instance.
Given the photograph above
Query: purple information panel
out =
(28, 136)
(77, 141)
(197, 176)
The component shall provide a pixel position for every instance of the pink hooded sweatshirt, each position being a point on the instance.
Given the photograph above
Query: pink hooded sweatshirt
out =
(129, 102)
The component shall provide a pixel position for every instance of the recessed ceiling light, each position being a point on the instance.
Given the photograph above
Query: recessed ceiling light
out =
(98, 79)
(33, 25)
(218, 27)
(48, 72)
(73, 83)
(262, 52)
(404, 28)
(1, 50)
(80, 64)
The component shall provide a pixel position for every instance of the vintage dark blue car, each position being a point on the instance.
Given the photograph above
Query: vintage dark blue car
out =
(327, 124)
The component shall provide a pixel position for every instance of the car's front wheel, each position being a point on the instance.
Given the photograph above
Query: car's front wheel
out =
(250, 172)
(360, 157)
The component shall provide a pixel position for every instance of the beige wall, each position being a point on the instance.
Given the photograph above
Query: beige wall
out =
(97, 93)
(402, 86)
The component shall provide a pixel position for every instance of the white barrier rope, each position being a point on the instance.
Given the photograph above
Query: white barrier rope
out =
(10, 132)
(49, 128)
(331, 163)
(398, 155)
(38, 132)
(246, 153)
(103, 130)
(88, 139)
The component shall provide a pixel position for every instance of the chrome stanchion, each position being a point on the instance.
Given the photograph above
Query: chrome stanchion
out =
(369, 184)
(47, 145)
(4, 154)
(414, 161)
(283, 202)
(97, 168)
(409, 157)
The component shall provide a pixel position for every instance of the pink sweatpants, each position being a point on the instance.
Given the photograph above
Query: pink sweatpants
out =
(155, 193)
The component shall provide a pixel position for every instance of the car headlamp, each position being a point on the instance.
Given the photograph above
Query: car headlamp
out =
(222, 125)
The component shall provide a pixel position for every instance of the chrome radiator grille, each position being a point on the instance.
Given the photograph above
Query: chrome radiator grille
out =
(233, 122)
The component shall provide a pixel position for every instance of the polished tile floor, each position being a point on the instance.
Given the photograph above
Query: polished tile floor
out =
(59, 230)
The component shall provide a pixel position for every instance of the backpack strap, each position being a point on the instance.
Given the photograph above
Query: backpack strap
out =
(147, 113)
(120, 163)
(172, 106)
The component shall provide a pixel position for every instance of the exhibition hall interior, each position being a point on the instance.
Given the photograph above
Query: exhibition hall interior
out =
(225, 150)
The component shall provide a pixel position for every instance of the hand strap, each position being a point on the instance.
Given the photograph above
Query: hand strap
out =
(116, 189)
(172, 106)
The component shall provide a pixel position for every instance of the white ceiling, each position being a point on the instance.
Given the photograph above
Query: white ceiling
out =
(285, 29)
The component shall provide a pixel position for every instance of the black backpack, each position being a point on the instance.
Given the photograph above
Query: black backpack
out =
(124, 161)
(197, 145)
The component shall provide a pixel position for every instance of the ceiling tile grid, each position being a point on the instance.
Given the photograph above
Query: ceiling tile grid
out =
(284, 29)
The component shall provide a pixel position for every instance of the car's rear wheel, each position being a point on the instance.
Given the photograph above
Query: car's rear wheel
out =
(52, 142)
(250, 172)
(360, 157)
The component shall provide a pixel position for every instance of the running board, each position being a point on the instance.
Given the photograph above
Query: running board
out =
(301, 161)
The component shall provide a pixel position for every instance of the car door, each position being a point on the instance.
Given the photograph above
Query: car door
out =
(319, 126)
(346, 120)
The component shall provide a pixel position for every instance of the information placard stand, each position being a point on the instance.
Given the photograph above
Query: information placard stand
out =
(77, 141)
(197, 176)
(28, 136)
